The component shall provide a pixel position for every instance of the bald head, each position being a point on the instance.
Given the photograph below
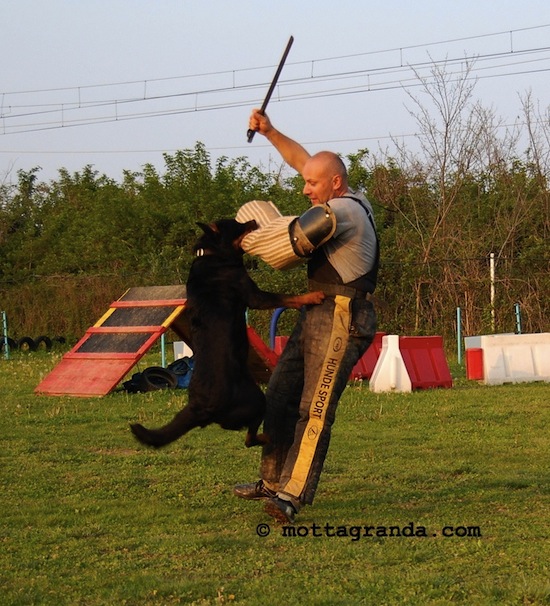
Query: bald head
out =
(326, 177)
(332, 163)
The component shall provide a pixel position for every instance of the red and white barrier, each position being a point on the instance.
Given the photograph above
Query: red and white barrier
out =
(515, 358)
(390, 372)
(408, 363)
(364, 367)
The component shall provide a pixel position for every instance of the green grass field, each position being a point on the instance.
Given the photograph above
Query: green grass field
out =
(89, 517)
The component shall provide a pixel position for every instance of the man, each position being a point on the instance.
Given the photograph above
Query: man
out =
(328, 340)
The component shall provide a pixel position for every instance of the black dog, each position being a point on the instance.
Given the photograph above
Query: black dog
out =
(219, 290)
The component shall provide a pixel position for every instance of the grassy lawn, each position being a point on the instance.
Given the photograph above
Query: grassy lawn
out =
(89, 517)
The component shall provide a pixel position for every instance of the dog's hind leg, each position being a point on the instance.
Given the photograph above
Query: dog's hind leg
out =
(246, 408)
(253, 438)
(238, 421)
(256, 403)
(183, 422)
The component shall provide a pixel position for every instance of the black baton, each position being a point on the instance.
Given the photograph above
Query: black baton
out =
(250, 133)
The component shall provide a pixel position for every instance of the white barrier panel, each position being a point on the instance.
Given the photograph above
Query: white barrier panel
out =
(475, 342)
(516, 358)
(181, 350)
(390, 372)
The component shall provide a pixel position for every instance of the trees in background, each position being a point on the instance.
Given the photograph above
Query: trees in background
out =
(71, 246)
(466, 192)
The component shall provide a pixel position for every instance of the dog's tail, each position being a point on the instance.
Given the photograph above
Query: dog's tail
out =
(183, 422)
(149, 437)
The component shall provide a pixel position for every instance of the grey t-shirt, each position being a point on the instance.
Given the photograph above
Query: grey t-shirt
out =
(352, 248)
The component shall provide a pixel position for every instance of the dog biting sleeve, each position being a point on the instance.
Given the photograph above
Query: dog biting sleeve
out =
(271, 241)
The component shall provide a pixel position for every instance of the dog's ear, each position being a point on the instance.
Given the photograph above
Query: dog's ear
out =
(208, 229)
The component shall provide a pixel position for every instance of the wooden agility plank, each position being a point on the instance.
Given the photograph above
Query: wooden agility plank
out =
(122, 336)
(111, 347)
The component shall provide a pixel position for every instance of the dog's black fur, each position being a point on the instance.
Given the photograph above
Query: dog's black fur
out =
(219, 290)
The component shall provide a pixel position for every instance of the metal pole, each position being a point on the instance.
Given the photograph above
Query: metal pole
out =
(5, 329)
(163, 350)
(518, 319)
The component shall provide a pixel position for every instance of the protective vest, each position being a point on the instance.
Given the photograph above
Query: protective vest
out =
(320, 269)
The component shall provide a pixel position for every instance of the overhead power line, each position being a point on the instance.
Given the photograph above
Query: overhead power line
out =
(62, 117)
(47, 110)
(402, 50)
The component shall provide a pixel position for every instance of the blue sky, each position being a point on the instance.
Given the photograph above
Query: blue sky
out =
(100, 62)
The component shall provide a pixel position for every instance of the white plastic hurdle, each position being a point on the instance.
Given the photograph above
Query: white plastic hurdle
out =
(510, 358)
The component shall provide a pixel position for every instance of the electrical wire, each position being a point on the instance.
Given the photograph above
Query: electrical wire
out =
(33, 117)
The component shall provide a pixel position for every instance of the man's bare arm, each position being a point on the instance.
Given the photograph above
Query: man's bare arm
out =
(291, 151)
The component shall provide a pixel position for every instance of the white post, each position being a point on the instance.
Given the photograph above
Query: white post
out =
(492, 268)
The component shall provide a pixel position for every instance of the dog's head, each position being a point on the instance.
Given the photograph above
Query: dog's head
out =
(223, 236)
